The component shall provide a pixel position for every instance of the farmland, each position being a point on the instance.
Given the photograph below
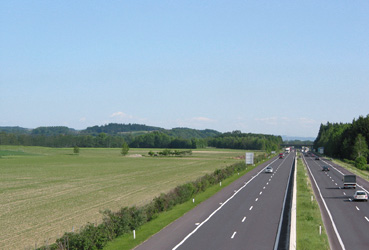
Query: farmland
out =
(47, 191)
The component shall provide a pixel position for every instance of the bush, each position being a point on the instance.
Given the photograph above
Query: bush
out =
(361, 163)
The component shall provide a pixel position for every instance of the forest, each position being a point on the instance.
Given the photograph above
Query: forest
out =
(345, 140)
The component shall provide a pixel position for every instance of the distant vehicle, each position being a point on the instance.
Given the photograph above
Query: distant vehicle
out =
(317, 158)
(325, 168)
(349, 181)
(269, 170)
(281, 155)
(360, 195)
(287, 150)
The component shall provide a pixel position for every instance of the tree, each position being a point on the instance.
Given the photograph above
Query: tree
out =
(125, 149)
(76, 149)
(360, 147)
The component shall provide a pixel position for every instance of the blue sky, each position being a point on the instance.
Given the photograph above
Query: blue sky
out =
(272, 67)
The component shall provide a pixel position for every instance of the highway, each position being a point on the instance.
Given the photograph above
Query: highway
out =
(243, 215)
(346, 221)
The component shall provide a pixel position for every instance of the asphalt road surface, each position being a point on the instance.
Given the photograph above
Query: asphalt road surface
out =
(244, 215)
(347, 222)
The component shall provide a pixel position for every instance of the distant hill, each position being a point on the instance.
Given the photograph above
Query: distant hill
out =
(55, 130)
(296, 138)
(188, 133)
(15, 130)
(114, 129)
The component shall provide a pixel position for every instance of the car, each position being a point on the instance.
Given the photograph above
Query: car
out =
(317, 158)
(268, 170)
(325, 168)
(360, 195)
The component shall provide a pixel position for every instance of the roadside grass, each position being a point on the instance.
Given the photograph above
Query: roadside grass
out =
(127, 241)
(362, 173)
(308, 215)
(45, 192)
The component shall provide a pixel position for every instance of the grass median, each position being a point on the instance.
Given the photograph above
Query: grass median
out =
(308, 215)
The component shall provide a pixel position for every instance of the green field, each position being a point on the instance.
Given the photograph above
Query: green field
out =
(47, 191)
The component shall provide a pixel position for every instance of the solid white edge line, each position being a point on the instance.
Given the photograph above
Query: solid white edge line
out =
(343, 174)
(326, 207)
(216, 210)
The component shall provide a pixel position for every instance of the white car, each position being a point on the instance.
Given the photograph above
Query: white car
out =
(360, 195)
(268, 170)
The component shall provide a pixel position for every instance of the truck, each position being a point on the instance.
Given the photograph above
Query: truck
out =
(349, 181)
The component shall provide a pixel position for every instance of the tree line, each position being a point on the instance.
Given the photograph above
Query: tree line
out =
(154, 139)
(345, 140)
(238, 140)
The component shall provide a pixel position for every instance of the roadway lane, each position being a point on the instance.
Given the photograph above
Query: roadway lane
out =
(247, 217)
(351, 219)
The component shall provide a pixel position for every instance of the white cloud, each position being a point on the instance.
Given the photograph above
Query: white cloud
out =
(120, 115)
(202, 119)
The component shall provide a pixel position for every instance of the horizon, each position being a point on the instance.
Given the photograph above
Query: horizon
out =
(301, 138)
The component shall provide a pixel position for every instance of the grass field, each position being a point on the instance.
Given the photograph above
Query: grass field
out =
(46, 191)
(308, 217)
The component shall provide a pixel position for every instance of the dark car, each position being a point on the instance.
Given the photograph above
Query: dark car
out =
(317, 158)
(325, 168)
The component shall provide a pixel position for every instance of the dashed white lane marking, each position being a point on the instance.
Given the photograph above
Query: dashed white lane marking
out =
(358, 209)
(260, 192)
(367, 218)
(336, 184)
(332, 180)
(197, 224)
(256, 199)
(233, 235)
(251, 208)
(267, 183)
(263, 187)
(244, 218)
(350, 199)
(344, 193)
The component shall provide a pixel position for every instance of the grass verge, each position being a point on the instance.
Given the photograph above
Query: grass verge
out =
(362, 173)
(308, 215)
(165, 218)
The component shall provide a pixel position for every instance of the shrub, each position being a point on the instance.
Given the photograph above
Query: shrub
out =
(361, 163)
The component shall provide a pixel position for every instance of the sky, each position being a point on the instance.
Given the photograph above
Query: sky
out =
(271, 67)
